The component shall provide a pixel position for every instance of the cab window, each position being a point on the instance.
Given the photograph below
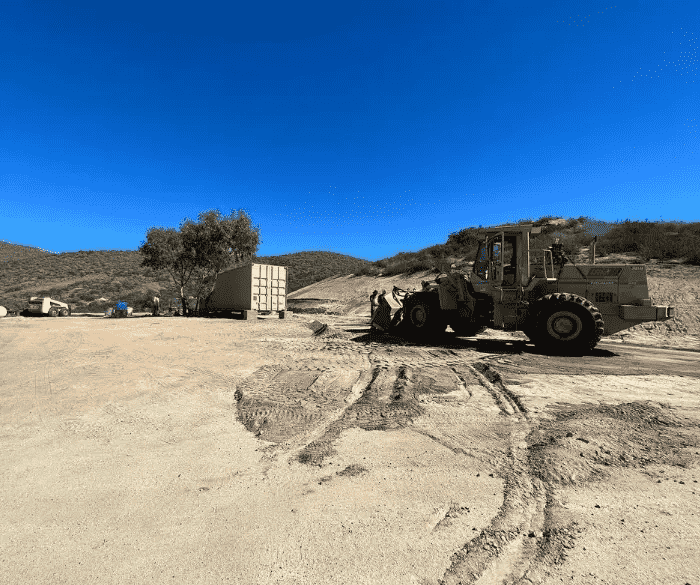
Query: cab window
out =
(481, 264)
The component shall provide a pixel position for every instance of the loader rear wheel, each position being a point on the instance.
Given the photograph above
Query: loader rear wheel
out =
(53, 312)
(565, 323)
(423, 317)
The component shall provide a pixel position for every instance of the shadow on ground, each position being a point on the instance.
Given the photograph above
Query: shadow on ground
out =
(453, 342)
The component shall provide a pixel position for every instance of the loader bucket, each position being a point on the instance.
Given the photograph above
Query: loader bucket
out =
(387, 313)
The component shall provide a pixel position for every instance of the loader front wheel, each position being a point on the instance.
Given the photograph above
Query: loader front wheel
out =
(565, 323)
(63, 313)
(423, 317)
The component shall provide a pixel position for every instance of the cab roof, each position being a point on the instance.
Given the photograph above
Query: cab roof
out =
(521, 228)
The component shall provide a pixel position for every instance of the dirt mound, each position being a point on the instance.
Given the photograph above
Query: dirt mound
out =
(677, 286)
(582, 442)
(352, 470)
(350, 294)
(316, 306)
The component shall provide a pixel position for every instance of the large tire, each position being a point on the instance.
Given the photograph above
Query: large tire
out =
(422, 317)
(53, 312)
(63, 312)
(564, 323)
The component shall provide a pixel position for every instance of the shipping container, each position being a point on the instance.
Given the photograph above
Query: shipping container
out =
(251, 287)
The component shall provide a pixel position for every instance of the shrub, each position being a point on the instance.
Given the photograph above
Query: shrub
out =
(443, 266)
(462, 242)
(368, 270)
(693, 259)
(652, 240)
(84, 295)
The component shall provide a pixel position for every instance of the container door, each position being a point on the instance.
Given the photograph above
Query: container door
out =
(268, 280)
(278, 288)
(255, 287)
(274, 277)
(260, 285)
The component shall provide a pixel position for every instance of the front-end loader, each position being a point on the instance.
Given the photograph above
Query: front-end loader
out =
(562, 307)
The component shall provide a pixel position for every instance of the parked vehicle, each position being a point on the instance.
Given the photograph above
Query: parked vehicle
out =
(46, 306)
(120, 310)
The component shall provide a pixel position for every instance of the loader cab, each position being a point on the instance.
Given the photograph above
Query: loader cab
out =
(503, 257)
(497, 260)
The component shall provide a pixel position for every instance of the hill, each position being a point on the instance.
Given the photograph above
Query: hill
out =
(309, 267)
(81, 278)
(642, 239)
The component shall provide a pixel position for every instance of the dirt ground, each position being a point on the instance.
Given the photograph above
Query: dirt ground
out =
(306, 450)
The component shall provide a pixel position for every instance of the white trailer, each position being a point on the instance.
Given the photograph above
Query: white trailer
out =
(250, 289)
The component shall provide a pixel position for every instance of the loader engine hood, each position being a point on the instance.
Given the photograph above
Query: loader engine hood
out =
(620, 284)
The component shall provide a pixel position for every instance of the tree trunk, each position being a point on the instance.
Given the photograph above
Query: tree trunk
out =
(183, 300)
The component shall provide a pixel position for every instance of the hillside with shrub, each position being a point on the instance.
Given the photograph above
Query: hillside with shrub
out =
(83, 278)
(644, 240)
(305, 268)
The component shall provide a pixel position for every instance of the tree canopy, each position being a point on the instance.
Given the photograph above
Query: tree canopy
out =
(198, 251)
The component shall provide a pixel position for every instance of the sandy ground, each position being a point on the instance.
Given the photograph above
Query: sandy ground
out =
(276, 451)
(177, 450)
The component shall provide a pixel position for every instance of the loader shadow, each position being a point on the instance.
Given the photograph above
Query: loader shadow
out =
(491, 346)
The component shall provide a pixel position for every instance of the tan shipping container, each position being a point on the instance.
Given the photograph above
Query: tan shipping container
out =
(251, 287)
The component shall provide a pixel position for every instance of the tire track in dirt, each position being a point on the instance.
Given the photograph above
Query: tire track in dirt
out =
(503, 551)
(299, 403)
(533, 534)
(393, 389)
(288, 403)
(44, 393)
(578, 444)
(397, 384)
(506, 400)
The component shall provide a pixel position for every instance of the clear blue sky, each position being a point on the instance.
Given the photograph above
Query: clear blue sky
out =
(363, 127)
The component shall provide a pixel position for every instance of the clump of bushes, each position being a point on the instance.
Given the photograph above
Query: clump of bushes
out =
(663, 241)
(368, 270)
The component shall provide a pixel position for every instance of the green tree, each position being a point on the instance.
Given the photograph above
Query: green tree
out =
(196, 253)
(164, 249)
(218, 241)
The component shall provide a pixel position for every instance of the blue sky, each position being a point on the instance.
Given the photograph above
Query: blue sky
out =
(364, 127)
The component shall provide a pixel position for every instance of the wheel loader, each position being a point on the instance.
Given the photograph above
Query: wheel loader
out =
(562, 307)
